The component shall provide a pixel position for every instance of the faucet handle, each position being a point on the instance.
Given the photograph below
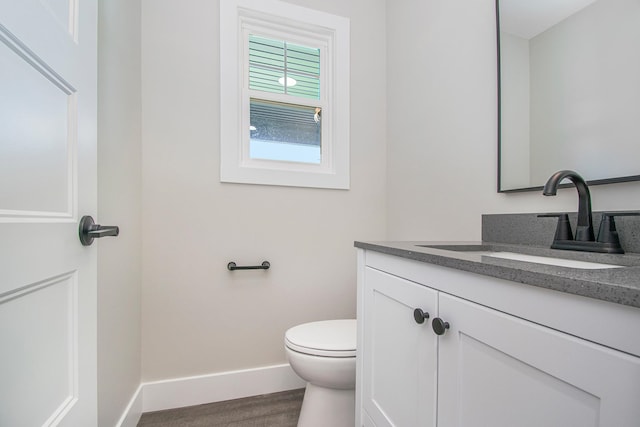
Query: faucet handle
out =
(563, 230)
(608, 232)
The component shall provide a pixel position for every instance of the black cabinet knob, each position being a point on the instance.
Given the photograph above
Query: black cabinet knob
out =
(420, 316)
(439, 326)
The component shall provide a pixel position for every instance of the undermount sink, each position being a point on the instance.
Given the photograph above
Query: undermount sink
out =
(560, 262)
(489, 251)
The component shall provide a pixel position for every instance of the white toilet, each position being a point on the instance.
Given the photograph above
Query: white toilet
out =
(324, 354)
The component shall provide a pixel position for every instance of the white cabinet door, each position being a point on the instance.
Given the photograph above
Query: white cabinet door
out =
(501, 371)
(47, 181)
(399, 355)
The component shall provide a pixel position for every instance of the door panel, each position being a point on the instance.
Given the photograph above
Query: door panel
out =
(37, 117)
(47, 180)
(399, 366)
(499, 370)
(64, 12)
(44, 371)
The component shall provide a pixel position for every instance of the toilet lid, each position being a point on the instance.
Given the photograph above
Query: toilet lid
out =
(330, 338)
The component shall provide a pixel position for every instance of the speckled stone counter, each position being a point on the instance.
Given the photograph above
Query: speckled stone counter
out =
(618, 285)
(528, 229)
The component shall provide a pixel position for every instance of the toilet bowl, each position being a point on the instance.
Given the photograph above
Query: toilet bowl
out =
(324, 355)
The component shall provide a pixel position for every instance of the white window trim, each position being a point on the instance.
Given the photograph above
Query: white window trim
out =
(277, 19)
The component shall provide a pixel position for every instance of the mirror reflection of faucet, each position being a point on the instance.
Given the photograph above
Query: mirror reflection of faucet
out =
(608, 240)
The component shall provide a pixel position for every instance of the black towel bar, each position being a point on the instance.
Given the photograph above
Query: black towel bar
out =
(264, 266)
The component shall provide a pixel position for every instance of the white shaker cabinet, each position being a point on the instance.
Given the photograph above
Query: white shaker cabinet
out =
(400, 355)
(495, 369)
(491, 367)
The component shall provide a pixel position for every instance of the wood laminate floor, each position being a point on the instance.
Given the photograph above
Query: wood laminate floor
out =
(269, 410)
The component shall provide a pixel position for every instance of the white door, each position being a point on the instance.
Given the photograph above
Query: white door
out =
(399, 355)
(47, 182)
(501, 371)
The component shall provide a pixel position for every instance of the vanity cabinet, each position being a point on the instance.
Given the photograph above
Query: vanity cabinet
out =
(497, 364)
(400, 356)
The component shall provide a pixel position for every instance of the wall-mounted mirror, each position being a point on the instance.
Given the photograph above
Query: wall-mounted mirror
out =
(569, 97)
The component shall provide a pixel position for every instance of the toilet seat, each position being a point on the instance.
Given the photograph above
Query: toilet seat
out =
(327, 338)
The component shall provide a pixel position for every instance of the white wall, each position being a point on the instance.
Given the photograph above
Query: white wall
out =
(119, 189)
(198, 317)
(442, 131)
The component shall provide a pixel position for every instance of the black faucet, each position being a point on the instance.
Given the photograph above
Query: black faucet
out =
(608, 240)
(584, 229)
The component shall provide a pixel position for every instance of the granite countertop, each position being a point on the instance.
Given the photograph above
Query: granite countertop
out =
(618, 285)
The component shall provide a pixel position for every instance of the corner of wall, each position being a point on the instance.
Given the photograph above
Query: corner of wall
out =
(119, 195)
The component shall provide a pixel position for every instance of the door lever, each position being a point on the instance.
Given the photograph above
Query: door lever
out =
(89, 230)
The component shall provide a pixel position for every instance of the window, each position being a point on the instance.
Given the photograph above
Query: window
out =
(284, 95)
(284, 131)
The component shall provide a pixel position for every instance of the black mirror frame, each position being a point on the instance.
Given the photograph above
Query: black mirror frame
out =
(499, 122)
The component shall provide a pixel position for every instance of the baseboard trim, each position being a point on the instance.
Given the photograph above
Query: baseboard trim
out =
(180, 392)
(133, 412)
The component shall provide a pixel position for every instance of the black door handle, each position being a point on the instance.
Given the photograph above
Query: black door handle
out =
(89, 230)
